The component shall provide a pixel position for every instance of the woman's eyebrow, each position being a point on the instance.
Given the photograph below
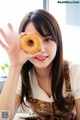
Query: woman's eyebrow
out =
(47, 35)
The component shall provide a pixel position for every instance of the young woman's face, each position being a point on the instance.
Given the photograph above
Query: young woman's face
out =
(48, 49)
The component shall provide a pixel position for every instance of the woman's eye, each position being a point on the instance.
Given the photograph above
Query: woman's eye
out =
(48, 39)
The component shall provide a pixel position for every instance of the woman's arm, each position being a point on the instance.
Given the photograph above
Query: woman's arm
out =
(17, 104)
(77, 105)
(75, 85)
(8, 97)
(17, 57)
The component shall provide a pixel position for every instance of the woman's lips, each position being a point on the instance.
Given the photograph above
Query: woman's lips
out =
(41, 59)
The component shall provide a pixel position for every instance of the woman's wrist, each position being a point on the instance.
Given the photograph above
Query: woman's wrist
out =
(15, 67)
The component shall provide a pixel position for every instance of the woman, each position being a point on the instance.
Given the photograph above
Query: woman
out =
(48, 82)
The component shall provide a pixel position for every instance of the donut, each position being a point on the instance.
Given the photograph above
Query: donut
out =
(31, 43)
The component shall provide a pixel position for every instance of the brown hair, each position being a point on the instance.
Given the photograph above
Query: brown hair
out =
(43, 19)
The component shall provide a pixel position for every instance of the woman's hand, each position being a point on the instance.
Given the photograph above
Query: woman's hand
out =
(16, 54)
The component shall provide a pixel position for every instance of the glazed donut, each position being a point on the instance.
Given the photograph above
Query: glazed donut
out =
(31, 43)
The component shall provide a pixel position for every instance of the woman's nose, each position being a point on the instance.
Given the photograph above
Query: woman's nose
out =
(43, 48)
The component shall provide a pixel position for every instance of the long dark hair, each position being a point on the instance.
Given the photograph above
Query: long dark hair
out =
(45, 24)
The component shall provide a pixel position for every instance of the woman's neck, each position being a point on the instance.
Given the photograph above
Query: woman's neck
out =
(44, 79)
(42, 73)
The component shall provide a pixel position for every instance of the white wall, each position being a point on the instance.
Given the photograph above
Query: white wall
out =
(70, 33)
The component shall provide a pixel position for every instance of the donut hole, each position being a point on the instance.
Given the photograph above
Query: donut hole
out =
(30, 42)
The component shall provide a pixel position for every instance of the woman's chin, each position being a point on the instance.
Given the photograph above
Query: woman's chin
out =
(41, 66)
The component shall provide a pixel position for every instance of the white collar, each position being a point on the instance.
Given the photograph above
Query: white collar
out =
(37, 91)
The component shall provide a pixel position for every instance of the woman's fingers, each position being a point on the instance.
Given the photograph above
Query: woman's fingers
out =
(10, 27)
(3, 45)
(4, 36)
(10, 37)
(22, 34)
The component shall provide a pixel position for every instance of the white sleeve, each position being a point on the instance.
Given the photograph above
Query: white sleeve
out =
(19, 87)
(75, 80)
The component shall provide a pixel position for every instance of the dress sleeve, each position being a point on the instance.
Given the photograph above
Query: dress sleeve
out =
(75, 80)
(19, 87)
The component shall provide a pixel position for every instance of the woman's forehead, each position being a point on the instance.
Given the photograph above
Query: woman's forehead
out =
(30, 28)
